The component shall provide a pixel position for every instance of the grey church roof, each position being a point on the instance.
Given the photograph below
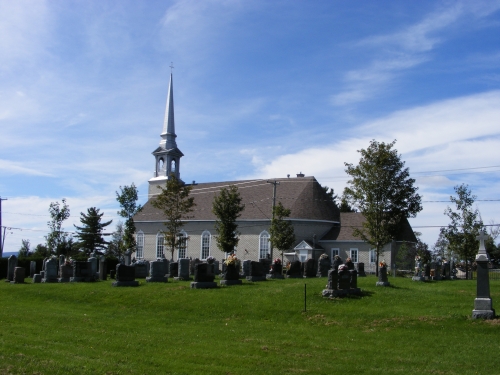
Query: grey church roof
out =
(304, 196)
(352, 220)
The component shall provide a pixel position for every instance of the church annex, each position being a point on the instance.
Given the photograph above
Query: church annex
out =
(319, 225)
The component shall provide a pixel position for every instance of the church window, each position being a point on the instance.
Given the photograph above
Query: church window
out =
(354, 255)
(264, 245)
(205, 244)
(181, 245)
(140, 245)
(373, 256)
(172, 166)
(160, 244)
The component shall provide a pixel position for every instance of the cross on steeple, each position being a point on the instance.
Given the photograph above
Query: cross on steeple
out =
(171, 67)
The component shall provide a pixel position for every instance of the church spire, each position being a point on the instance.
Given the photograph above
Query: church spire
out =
(168, 134)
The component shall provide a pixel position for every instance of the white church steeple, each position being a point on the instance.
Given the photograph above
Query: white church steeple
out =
(167, 155)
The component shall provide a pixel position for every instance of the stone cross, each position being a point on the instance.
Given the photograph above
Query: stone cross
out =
(482, 255)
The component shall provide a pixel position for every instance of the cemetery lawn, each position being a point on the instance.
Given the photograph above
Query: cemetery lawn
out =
(255, 328)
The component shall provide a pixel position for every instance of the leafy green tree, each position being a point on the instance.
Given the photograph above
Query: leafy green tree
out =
(227, 208)
(441, 248)
(41, 251)
(57, 238)
(116, 247)
(175, 202)
(91, 232)
(464, 227)
(25, 250)
(282, 232)
(127, 198)
(381, 188)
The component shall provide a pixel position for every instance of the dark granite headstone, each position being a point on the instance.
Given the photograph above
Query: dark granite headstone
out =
(19, 275)
(231, 275)
(204, 276)
(349, 264)
(382, 277)
(257, 271)
(125, 276)
(183, 270)
(174, 269)
(141, 270)
(427, 271)
(323, 267)
(309, 268)
(361, 270)
(446, 271)
(32, 268)
(157, 272)
(11, 266)
(344, 279)
(65, 273)
(483, 307)
(192, 265)
(103, 268)
(295, 270)
(276, 270)
(82, 272)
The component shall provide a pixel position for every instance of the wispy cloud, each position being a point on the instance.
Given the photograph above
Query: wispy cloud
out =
(405, 49)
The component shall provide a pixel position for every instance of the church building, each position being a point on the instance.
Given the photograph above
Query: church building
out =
(319, 225)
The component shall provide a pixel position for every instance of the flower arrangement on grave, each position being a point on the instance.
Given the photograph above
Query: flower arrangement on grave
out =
(277, 261)
(231, 261)
(210, 259)
(288, 265)
(342, 268)
(68, 262)
(382, 264)
(323, 256)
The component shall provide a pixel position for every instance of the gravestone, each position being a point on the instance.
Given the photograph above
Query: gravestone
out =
(125, 276)
(174, 269)
(62, 260)
(127, 257)
(50, 275)
(418, 272)
(337, 261)
(112, 274)
(246, 268)
(19, 275)
(183, 270)
(341, 282)
(103, 268)
(258, 271)
(93, 266)
(453, 271)
(361, 270)
(32, 268)
(230, 275)
(166, 267)
(295, 270)
(157, 272)
(37, 278)
(309, 268)
(141, 269)
(349, 264)
(11, 266)
(427, 271)
(43, 263)
(482, 303)
(437, 271)
(82, 272)
(192, 265)
(65, 273)
(217, 267)
(204, 276)
(276, 271)
(382, 277)
(323, 266)
(446, 271)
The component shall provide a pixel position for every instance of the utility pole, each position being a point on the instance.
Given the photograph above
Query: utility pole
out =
(275, 183)
(2, 235)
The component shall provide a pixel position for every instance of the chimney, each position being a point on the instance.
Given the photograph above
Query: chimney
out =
(300, 174)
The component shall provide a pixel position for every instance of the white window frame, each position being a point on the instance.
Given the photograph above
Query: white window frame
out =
(182, 247)
(334, 251)
(206, 239)
(264, 246)
(139, 239)
(373, 256)
(354, 255)
(160, 245)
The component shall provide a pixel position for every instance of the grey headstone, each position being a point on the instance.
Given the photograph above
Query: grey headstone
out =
(93, 266)
(382, 277)
(183, 269)
(246, 267)
(258, 271)
(309, 266)
(50, 271)
(12, 264)
(361, 270)
(19, 275)
(157, 272)
(37, 278)
(103, 269)
(32, 268)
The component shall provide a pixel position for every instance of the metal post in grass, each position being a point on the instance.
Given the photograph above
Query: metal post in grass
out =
(305, 294)
(482, 304)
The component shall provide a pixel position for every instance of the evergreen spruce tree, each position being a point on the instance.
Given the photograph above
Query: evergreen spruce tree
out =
(90, 233)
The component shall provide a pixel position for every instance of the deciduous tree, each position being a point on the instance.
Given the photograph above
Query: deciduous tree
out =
(282, 232)
(175, 202)
(127, 198)
(464, 227)
(56, 237)
(227, 208)
(380, 187)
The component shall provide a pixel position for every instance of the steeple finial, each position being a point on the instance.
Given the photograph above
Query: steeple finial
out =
(168, 134)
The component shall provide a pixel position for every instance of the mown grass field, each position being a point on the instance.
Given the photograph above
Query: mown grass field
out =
(256, 328)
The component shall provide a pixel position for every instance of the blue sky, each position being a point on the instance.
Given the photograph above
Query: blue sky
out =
(262, 89)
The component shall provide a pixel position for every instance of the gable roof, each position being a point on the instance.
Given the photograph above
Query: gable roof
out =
(349, 221)
(304, 196)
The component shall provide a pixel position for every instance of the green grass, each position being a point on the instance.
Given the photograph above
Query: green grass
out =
(259, 328)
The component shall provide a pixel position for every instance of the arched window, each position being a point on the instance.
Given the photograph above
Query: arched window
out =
(172, 166)
(264, 245)
(205, 244)
(182, 245)
(160, 244)
(139, 254)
